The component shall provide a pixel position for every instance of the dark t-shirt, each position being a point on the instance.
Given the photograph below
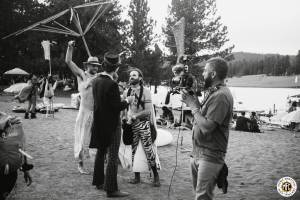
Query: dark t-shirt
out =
(242, 123)
(217, 108)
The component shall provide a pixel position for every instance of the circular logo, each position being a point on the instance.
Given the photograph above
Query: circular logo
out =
(286, 186)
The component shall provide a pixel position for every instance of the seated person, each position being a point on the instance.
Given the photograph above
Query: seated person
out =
(242, 123)
(167, 114)
(254, 125)
(293, 107)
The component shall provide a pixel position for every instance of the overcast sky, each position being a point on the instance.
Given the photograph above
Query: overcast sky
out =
(258, 26)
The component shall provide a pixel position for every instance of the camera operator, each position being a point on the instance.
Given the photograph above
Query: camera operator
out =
(211, 130)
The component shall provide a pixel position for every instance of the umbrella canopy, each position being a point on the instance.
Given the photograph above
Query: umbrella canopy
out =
(16, 71)
(297, 96)
(15, 88)
(292, 117)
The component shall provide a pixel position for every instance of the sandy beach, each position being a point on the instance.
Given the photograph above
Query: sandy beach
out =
(256, 162)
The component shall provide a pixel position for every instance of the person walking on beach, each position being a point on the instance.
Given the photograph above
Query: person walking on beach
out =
(139, 116)
(106, 133)
(211, 130)
(84, 118)
(48, 96)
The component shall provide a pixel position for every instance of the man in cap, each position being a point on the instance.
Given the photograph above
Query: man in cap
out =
(211, 130)
(105, 130)
(140, 115)
(85, 115)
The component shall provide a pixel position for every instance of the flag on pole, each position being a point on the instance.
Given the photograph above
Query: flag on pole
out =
(46, 47)
(178, 31)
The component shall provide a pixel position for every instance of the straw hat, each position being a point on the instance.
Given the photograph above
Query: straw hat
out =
(92, 61)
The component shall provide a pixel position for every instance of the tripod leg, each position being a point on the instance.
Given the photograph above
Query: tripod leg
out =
(52, 108)
(47, 109)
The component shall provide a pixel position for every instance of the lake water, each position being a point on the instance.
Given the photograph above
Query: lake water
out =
(247, 98)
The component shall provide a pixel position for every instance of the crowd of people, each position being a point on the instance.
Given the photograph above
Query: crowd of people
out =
(42, 87)
(105, 106)
(247, 124)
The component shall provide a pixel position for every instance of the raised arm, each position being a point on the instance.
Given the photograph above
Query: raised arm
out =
(55, 85)
(74, 68)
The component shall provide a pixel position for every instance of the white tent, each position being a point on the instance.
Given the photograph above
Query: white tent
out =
(16, 71)
(16, 88)
(292, 117)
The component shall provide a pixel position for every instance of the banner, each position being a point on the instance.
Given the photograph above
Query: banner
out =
(178, 31)
(46, 47)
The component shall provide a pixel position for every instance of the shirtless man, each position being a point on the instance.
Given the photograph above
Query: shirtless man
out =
(84, 118)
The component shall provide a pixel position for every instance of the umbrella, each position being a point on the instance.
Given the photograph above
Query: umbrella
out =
(15, 88)
(16, 71)
(292, 117)
(52, 26)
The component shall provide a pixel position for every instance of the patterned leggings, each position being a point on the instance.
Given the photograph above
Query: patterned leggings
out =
(141, 130)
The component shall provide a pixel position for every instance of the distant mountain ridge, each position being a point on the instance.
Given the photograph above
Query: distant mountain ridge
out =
(240, 56)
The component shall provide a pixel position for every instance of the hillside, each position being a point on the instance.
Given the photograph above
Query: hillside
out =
(239, 56)
(264, 81)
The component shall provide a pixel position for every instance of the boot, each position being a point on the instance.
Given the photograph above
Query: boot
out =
(26, 115)
(136, 179)
(33, 116)
(156, 182)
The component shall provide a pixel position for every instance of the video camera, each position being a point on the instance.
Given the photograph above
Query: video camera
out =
(183, 79)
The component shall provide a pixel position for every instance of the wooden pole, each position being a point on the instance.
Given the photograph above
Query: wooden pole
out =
(86, 46)
(50, 59)
(50, 66)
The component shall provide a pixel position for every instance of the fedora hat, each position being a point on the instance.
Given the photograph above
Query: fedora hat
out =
(92, 60)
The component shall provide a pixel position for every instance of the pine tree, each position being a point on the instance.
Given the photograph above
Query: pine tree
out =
(140, 32)
(22, 49)
(205, 36)
(297, 63)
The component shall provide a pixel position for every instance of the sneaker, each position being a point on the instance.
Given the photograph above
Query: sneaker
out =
(82, 170)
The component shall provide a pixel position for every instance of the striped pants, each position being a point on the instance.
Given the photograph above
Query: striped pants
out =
(141, 131)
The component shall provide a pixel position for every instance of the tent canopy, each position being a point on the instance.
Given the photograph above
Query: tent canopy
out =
(16, 71)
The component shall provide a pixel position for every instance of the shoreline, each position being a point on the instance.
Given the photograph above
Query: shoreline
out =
(255, 86)
(264, 81)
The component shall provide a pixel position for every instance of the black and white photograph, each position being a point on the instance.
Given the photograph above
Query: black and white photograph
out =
(149, 99)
